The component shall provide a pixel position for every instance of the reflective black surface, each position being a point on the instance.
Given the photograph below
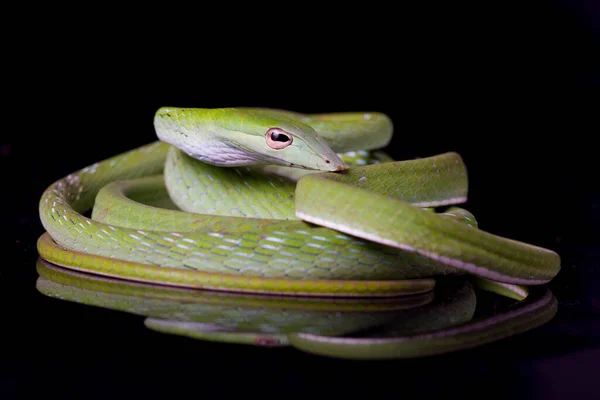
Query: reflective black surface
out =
(455, 315)
(513, 90)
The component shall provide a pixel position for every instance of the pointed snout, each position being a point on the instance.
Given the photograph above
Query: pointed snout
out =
(333, 164)
(329, 160)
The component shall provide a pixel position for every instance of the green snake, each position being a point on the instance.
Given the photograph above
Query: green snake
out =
(273, 201)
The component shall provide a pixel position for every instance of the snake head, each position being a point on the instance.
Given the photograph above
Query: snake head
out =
(241, 137)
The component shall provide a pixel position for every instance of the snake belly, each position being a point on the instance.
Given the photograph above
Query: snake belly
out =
(160, 215)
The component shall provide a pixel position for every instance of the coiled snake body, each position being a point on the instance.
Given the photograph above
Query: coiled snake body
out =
(272, 201)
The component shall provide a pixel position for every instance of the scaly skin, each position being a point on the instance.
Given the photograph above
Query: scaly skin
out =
(241, 228)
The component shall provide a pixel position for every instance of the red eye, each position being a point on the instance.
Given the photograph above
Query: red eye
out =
(278, 138)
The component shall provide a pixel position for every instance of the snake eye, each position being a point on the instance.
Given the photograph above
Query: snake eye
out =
(278, 138)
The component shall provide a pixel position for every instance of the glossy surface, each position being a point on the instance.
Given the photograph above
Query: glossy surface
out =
(437, 322)
(511, 86)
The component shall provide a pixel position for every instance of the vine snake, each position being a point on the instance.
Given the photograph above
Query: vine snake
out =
(273, 201)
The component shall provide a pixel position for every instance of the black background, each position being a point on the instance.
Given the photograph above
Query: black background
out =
(512, 87)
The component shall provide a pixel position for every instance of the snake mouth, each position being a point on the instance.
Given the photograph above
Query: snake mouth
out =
(292, 165)
(334, 168)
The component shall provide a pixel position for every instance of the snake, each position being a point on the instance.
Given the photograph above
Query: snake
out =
(271, 201)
